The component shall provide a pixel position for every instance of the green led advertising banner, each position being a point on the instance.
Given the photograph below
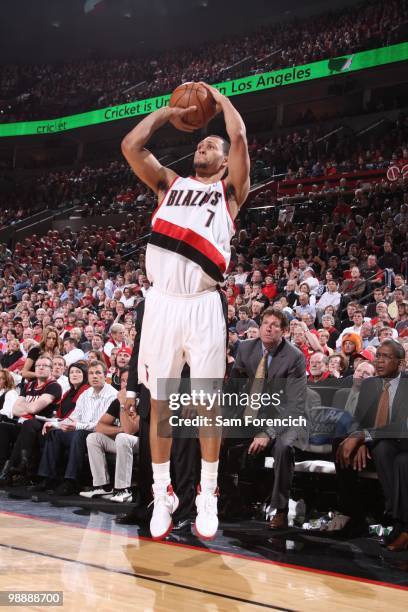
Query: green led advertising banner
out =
(259, 82)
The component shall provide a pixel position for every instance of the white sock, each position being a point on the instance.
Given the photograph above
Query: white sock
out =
(209, 475)
(161, 476)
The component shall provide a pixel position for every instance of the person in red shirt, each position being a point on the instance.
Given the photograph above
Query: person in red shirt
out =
(382, 315)
(231, 284)
(270, 290)
(342, 208)
(87, 299)
(299, 341)
(230, 296)
(319, 368)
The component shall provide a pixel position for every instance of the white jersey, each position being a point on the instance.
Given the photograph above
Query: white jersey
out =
(189, 250)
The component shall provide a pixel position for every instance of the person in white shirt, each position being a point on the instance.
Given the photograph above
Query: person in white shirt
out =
(128, 299)
(240, 275)
(73, 431)
(302, 266)
(8, 396)
(117, 335)
(144, 285)
(72, 352)
(309, 278)
(115, 433)
(108, 281)
(304, 306)
(331, 297)
(102, 286)
(58, 372)
(28, 341)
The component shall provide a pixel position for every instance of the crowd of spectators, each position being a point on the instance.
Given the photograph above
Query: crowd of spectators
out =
(337, 267)
(48, 90)
(308, 153)
(111, 187)
(339, 275)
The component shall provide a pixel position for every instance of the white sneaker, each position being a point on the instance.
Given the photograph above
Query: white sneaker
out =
(165, 504)
(95, 492)
(121, 495)
(206, 523)
(336, 523)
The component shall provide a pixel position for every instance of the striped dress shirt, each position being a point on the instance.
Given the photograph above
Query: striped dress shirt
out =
(91, 406)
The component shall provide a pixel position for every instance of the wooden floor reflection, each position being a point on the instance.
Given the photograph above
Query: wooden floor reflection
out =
(107, 571)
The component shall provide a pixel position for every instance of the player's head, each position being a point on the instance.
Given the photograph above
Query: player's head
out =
(211, 155)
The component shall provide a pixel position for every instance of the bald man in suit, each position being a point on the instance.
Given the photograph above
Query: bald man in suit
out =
(379, 438)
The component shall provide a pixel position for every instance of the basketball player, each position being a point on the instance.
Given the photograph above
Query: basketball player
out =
(187, 256)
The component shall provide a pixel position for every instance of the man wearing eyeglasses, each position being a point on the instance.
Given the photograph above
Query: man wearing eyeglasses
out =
(381, 435)
(39, 396)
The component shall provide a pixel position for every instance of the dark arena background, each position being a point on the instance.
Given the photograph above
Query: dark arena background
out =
(318, 257)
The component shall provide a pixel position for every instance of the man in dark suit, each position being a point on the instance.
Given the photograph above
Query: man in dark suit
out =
(272, 364)
(347, 398)
(381, 433)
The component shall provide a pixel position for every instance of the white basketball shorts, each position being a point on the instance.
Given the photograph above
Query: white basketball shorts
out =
(179, 329)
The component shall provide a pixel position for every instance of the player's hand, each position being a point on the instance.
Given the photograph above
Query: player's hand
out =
(178, 115)
(217, 95)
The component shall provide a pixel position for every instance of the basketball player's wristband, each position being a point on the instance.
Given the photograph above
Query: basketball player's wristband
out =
(130, 394)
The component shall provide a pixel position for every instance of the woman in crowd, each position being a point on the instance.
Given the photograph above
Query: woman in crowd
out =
(50, 344)
(328, 324)
(95, 356)
(12, 356)
(324, 336)
(8, 396)
(131, 337)
(337, 365)
(240, 301)
(78, 383)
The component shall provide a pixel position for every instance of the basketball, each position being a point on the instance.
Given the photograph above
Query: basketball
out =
(194, 94)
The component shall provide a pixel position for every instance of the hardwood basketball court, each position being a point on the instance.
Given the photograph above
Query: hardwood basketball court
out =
(98, 569)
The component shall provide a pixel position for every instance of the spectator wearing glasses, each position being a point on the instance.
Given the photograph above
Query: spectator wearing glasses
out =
(380, 436)
(38, 397)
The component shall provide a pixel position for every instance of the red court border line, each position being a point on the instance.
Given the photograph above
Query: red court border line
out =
(213, 551)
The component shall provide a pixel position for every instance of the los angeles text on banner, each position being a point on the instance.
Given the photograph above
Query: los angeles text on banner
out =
(251, 84)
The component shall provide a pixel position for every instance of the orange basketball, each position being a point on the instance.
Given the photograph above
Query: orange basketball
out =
(194, 94)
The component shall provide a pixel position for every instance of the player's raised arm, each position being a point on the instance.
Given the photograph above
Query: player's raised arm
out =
(238, 158)
(141, 160)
